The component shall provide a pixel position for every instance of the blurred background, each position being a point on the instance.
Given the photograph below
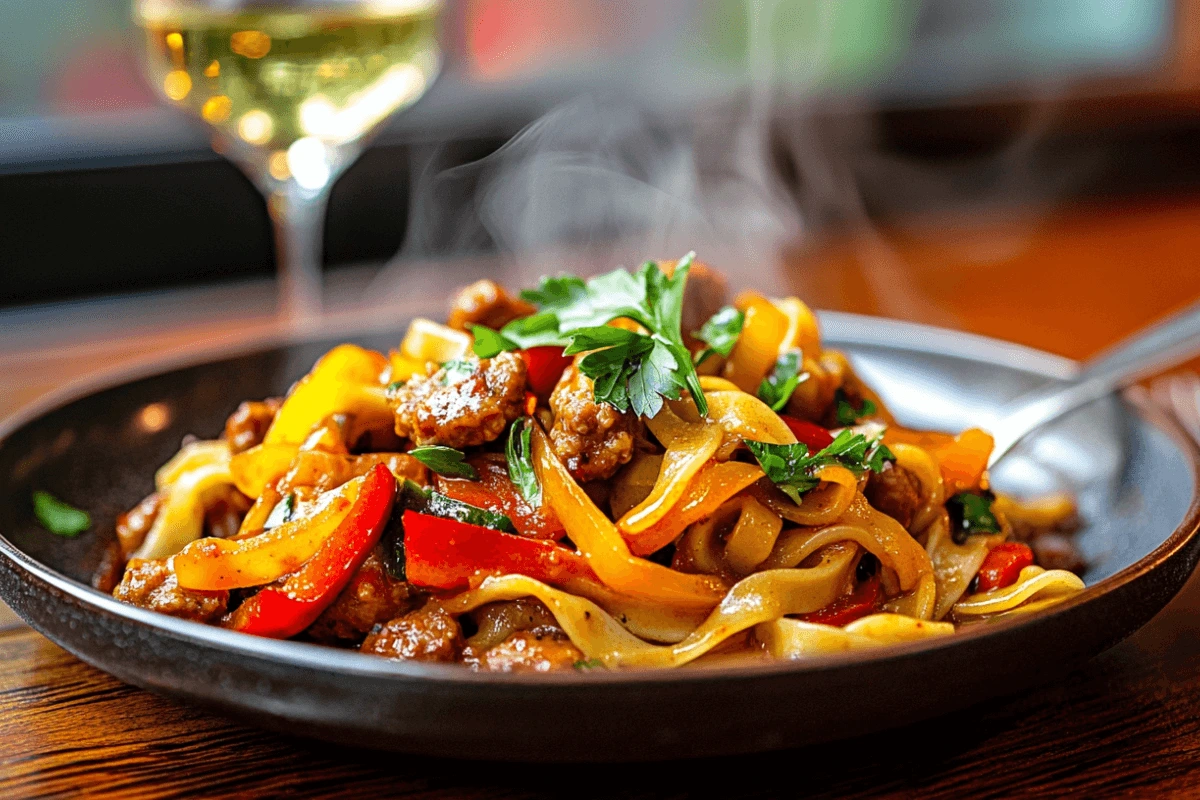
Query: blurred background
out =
(1021, 168)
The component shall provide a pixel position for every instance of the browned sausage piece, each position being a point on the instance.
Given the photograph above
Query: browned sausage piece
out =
(247, 426)
(372, 597)
(538, 650)
(456, 410)
(427, 634)
(150, 583)
(486, 303)
(134, 524)
(895, 491)
(592, 439)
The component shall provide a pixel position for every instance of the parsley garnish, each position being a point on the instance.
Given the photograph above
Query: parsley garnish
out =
(590, 664)
(59, 518)
(519, 451)
(630, 370)
(720, 333)
(847, 414)
(793, 470)
(971, 513)
(457, 370)
(395, 386)
(776, 389)
(444, 461)
(281, 513)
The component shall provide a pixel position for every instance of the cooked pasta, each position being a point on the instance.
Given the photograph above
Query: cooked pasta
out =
(626, 474)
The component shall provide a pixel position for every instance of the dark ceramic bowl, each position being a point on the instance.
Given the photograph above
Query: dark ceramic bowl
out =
(1134, 472)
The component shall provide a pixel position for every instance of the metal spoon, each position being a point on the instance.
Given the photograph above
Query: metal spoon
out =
(1162, 345)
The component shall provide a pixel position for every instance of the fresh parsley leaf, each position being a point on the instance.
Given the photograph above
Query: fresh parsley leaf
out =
(971, 513)
(519, 451)
(444, 461)
(457, 370)
(776, 389)
(589, 664)
(847, 414)
(281, 513)
(426, 501)
(59, 518)
(793, 469)
(395, 386)
(557, 293)
(720, 333)
(489, 343)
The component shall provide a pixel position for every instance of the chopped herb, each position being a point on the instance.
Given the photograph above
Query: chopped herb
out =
(281, 513)
(630, 370)
(971, 513)
(392, 540)
(589, 665)
(59, 518)
(720, 333)
(776, 389)
(793, 470)
(455, 371)
(519, 451)
(847, 414)
(394, 385)
(444, 461)
(426, 501)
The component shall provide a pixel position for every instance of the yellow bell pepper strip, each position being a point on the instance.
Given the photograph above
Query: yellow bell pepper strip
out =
(601, 544)
(346, 380)
(281, 612)
(428, 341)
(758, 347)
(260, 467)
(210, 564)
(803, 332)
(185, 483)
(962, 459)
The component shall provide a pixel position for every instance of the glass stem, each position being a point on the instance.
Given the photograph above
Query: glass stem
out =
(299, 220)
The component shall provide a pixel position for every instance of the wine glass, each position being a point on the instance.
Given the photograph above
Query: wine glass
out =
(292, 90)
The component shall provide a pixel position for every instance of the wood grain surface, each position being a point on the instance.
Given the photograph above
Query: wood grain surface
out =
(1125, 724)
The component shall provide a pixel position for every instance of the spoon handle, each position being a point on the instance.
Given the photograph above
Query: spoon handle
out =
(1151, 350)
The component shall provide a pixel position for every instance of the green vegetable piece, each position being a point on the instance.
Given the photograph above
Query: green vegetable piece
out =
(776, 389)
(519, 451)
(395, 385)
(426, 501)
(970, 514)
(281, 513)
(59, 518)
(720, 333)
(793, 469)
(489, 343)
(589, 665)
(457, 370)
(847, 414)
(444, 461)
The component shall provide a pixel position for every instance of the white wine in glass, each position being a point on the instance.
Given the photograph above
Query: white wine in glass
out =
(292, 89)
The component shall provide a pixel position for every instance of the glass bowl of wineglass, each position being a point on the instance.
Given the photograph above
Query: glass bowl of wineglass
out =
(292, 90)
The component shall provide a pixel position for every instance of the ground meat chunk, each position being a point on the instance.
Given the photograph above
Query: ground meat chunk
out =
(540, 650)
(134, 524)
(372, 597)
(427, 634)
(592, 439)
(486, 303)
(247, 426)
(223, 515)
(150, 583)
(895, 491)
(459, 411)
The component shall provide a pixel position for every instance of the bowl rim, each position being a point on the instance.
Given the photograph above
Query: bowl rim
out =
(839, 327)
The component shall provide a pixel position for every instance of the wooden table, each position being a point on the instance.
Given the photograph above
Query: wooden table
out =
(1128, 722)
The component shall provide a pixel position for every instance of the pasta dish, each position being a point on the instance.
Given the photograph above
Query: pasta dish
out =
(620, 472)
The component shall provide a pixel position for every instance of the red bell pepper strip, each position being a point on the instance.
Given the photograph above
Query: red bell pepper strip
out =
(865, 599)
(280, 611)
(810, 433)
(1002, 566)
(543, 367)
(445, 554)
(495, 491)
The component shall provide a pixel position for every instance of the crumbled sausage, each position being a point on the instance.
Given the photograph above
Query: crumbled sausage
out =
(895, 491)
(134, 524)
(486, 303)
(372, 597)
(224, 513)
(540, 650)
(462, 411)
(495, 622)
(592, 439)
(151, 584)
(427, 634)
(247, 426)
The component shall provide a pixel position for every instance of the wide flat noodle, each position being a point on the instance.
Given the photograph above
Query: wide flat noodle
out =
(759, 598)
(689, 447)
(793, 638)
(955, 565)
(933, 494)
(711, 487)
(1034, 583)
(185, 483)
(823, 505)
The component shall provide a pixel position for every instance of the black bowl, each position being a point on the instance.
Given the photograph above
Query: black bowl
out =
(1134, 471)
